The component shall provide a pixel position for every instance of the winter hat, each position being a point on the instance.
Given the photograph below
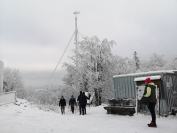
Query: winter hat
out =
(147, 80)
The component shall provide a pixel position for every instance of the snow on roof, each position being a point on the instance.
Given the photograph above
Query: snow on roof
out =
(151, 77)
(144, 73)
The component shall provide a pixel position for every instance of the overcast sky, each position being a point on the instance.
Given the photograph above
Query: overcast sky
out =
(34, 33)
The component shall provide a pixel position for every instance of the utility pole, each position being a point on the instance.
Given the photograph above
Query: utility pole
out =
(76, 32)
(76, 44)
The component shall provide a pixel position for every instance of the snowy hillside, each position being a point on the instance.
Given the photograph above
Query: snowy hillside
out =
(26, 118)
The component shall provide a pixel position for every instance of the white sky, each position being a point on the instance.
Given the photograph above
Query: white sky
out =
(34, 33)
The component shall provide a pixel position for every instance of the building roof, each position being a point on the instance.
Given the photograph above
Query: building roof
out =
(146, 73)
(151, 77)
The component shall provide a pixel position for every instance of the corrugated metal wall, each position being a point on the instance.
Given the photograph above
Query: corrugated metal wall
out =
(125, 87)
(175, 91)
(170, 89)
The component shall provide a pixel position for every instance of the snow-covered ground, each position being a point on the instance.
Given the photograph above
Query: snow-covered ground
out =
(26, 118)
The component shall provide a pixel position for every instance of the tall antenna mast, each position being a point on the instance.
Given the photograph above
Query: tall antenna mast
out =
(76, 36)
(76, 29)
(76, 43)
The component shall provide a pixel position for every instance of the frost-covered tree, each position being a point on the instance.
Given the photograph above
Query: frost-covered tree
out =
(136, 61)
(156, 62)
(123, 65)
(13, 81)
(93, 67)
(173, 64)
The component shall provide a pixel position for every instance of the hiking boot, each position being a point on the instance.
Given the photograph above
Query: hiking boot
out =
(152, 124)
(149, 123)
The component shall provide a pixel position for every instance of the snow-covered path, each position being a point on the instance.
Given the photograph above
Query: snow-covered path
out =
(29, 119)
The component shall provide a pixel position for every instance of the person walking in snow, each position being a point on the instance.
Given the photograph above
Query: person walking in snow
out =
(149, 98)
(80, 102)
(62, 104)
(84, 100)
(72, 103)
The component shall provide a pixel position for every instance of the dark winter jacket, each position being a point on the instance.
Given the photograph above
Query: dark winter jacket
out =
(79, 99)
(149, 93)
(82, 99)
(62, 102)
(72, 101)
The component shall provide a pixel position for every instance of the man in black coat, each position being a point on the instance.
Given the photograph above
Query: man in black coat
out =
(72, 103)
(80, 103)
(62, 104)
(84, 104)
(82, 99)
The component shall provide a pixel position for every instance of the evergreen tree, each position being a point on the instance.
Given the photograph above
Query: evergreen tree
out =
(136, 60)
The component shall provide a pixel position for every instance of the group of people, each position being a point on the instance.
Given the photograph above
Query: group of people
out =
(81, 100)
(149, 98)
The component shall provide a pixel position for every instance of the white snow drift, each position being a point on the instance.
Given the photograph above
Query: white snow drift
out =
(26, 118)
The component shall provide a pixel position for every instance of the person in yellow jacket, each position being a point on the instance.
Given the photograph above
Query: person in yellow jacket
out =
(149, 97)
